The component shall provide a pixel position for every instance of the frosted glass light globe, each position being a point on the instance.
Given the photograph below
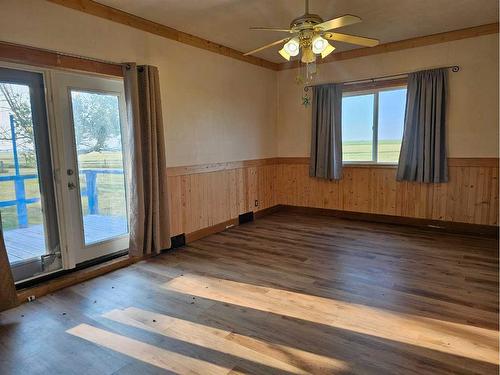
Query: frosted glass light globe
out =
(319, 44)
(292, 47)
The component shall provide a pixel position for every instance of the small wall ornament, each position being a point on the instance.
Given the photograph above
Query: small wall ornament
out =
(306, 100)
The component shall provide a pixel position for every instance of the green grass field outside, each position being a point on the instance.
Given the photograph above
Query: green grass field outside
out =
(388, 151)
(110, 187)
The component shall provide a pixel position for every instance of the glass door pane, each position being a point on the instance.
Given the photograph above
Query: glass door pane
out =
(27, 201)
(98, 140)
(91, 116)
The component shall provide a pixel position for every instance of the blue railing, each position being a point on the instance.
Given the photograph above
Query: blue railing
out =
(21, 201)
(91, 187)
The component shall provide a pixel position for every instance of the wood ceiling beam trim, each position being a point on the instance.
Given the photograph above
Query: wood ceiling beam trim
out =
(448, 36)
(124, 18)
(48, 59)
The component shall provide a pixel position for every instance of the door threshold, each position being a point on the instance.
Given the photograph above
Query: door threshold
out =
(35, 288)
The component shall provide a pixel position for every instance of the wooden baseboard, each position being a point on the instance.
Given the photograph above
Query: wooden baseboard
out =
(196, 235)
(437, 225)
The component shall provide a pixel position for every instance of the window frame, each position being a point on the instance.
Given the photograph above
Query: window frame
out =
(374, 88)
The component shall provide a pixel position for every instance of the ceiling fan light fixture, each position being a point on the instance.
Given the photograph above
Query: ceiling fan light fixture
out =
(292, 47)
(308, 55)
(284, 54)
(329, 49)
(309, 37)
(319, 44)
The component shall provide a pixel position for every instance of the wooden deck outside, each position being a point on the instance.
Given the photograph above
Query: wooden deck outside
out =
(26, 243)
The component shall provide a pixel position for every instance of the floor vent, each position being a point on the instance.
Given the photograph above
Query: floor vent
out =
(246, 218)
(178, 241)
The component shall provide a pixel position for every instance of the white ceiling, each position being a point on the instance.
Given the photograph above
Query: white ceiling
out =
(227, 21)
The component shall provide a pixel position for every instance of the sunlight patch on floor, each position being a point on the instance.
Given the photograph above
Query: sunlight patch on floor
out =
(428, 333)
(240, 346)
(159, 357)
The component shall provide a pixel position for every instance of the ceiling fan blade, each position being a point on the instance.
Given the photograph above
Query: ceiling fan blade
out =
(338, 22)
(352, 39)
(266, 46)
(271, 29)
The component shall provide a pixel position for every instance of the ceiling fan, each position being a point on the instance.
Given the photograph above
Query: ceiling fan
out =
(311, 35)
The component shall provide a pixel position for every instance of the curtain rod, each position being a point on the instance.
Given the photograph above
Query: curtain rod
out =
(128, 67)
(454, 68)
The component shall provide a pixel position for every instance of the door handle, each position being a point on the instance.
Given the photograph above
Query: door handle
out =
(71, 186)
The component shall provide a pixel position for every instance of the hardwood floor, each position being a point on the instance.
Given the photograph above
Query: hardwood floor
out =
(286, 294)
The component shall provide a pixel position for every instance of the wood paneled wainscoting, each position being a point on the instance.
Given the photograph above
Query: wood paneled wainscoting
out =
(470, 196)
(207, 198)
(210, 195)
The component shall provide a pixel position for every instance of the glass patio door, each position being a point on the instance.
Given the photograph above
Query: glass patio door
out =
(27, 191)
(91, 113)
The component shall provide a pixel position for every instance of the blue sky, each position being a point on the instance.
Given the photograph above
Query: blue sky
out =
(357, 116)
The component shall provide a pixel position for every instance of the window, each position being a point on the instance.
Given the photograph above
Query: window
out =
(372, 125)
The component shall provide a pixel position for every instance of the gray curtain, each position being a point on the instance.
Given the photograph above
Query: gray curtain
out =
(147, 180)
(423, 151)
(326, 137)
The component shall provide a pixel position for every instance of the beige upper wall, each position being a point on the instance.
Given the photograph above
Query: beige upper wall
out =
(215, 108)
(473, 129)
(219, 109)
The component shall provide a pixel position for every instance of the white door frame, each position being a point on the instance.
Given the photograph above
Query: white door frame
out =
(57, 127)
(55, 147)
(62, 83)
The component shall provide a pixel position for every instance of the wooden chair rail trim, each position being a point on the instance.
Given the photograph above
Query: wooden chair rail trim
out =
(48, 59)
(449, 36)
(292, 160)
(452, 162)
(473, 162)
(215, 167)
(124, 18)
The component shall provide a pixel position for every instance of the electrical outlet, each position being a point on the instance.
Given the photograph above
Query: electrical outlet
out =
(256, 203)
